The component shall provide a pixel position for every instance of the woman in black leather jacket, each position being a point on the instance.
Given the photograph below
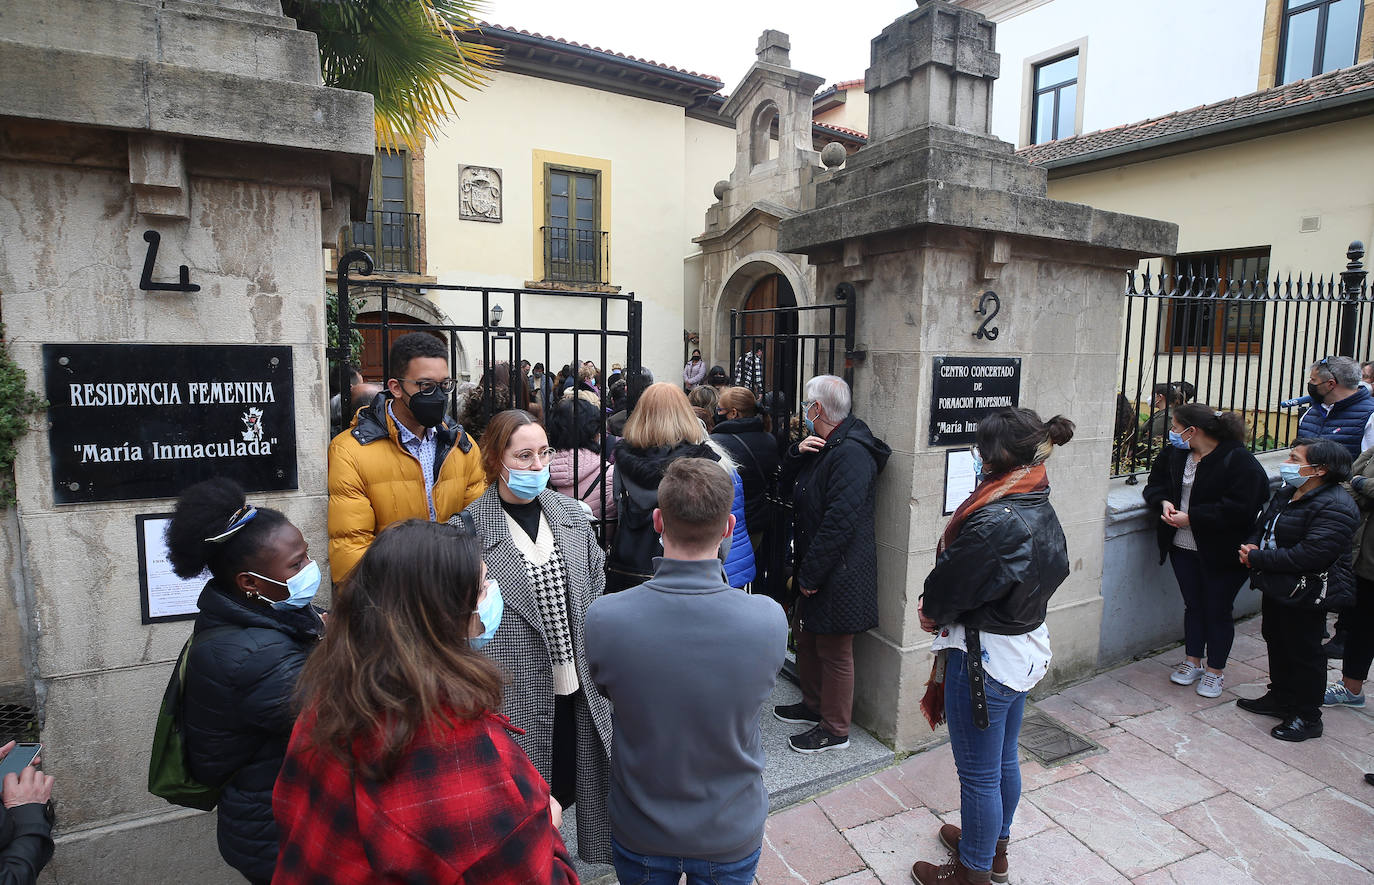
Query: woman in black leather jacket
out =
(1002, 556)
(1304, 541)
(255, 628)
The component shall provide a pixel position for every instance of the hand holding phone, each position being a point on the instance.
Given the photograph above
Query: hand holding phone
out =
(20, 783)
(14, 758)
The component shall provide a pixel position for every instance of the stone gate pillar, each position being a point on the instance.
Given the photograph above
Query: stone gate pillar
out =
(205, 123)
(931, 214)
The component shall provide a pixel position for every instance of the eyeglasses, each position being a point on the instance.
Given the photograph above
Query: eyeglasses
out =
(427, 387)
(528, 458)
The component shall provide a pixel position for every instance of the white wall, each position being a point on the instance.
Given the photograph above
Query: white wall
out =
(657, 166)
(1143, 59)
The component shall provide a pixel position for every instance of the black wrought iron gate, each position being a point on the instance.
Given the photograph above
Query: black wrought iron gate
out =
(556, 328)
(792, 344)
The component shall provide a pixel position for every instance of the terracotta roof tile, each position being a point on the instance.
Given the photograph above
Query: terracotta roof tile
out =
(644, 61)
(1341, 82)
(844, 129)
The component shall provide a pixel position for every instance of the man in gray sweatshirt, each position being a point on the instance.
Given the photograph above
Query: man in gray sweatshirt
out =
(688, 662)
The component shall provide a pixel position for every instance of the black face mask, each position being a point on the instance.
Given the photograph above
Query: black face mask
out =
(1315, 391)
(428, 408)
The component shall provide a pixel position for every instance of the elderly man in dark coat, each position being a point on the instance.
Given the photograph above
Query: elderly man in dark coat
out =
(832, 474)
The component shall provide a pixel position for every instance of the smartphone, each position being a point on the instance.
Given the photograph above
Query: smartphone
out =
(19, 758)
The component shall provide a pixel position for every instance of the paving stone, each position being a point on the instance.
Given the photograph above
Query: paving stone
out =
(1334, 762)
(1120, 830)
(1154, 779)
(1147, 679)
(859, 802)
(1249, 646)
(1255, 776)
(1341, 822)
(1354, 726)
(890, 846)
(1046, 858)
(1029, 820)
(862, 877)
(1205, 867)
(1034, 775)
(927, 779)
(1111, 699)
(802, 847)
(1071, 714)
(1262, 846)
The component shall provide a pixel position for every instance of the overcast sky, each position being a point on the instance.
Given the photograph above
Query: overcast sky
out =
(830, 38)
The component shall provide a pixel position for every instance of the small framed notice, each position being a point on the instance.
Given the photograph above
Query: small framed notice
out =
(960, 478)
(164, 596)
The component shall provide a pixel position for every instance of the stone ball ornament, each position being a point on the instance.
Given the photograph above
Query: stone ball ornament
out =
(833, 155)
(721, 188)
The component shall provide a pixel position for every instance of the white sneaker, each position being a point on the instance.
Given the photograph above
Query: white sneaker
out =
(1211, 685)
(1185, 674)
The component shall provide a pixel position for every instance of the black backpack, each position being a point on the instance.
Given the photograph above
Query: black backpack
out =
(630, 561)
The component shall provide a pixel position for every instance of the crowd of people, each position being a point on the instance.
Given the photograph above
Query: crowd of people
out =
(492, 659)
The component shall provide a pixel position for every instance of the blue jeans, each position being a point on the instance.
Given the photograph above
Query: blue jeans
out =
(648, 869)
(989, 770)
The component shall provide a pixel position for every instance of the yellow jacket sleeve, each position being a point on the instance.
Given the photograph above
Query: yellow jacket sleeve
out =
(352, 521)
(461, 481)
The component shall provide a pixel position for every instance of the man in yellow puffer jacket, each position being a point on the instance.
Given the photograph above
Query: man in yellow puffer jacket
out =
(400, 459)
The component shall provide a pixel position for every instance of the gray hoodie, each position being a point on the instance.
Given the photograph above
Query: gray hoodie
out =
(688, 663)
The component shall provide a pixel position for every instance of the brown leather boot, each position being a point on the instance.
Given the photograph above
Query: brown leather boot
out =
(949, 837)
(952, 872)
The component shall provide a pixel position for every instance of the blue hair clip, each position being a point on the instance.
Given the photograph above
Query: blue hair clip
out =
(241, 518)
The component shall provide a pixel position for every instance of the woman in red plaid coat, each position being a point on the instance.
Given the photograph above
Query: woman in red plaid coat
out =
(399, 770)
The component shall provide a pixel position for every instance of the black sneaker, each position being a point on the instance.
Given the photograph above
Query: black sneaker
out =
(1297, 729)
(817, 740)
(1265, 705)
(797, 714)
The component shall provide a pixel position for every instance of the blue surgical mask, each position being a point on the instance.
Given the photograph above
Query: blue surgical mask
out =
(300, 587)
(806, 420)
(527, 483)
(1177, 441)
(489, 612)
(1292, 474)
(977, 467)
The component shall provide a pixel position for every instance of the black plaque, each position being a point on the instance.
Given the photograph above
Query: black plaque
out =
(131, 421)
(967, 388)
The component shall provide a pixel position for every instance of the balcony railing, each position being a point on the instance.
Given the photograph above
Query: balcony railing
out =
(392, 238)
(573, 255)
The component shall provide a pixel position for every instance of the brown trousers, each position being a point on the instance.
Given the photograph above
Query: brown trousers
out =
(825, 666)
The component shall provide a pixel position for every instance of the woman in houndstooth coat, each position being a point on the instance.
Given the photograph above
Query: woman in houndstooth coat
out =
(539, 547)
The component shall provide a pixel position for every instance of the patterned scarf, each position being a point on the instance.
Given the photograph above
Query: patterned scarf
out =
(1031, 478)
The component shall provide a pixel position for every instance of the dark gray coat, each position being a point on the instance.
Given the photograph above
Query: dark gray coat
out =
(833, 493)
(521, 648)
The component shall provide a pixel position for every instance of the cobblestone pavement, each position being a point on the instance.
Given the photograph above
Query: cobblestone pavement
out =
(1184, 791)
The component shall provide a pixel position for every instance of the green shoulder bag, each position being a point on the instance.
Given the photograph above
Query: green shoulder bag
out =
(169, 773)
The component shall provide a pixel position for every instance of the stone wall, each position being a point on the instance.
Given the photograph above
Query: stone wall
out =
(205, 122)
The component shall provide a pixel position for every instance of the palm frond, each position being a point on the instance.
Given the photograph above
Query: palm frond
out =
(410, 55)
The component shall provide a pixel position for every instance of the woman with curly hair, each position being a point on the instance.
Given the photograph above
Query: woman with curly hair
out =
(578, 470)
(255, 628)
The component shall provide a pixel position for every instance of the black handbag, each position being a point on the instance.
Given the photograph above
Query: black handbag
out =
(1303, 591)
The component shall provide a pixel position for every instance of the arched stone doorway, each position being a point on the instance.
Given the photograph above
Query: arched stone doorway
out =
(404, 313)
(773, 331)
(760, 280)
